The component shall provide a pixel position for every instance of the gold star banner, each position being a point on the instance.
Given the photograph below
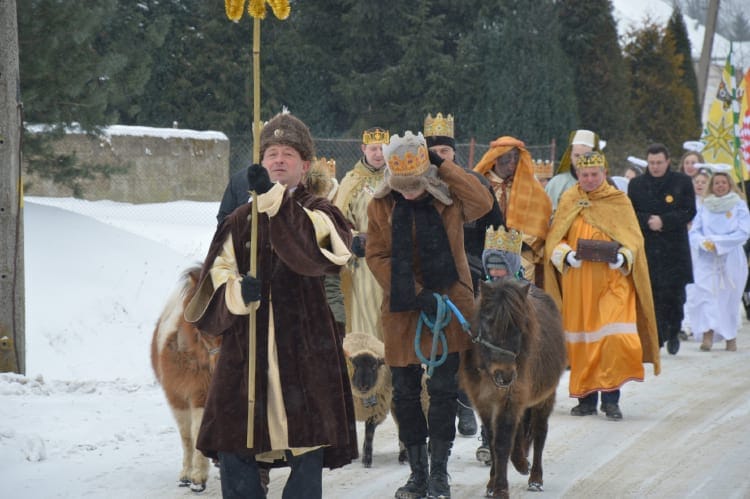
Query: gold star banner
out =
(721, 135)
(256, 8)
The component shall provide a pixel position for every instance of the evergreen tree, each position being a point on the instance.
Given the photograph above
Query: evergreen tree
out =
(662, 104)
(78, 76)
(64, 78)
(301, 63)
(514, 75)
(204, 76)
(677, 30)
(589, 38)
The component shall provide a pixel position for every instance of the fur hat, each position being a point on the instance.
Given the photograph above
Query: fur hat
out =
(409, 169)
(286, 129)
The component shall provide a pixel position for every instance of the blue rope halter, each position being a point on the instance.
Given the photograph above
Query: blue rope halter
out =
(442, 319)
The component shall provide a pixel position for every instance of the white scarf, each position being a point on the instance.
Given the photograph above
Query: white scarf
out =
(721, 204)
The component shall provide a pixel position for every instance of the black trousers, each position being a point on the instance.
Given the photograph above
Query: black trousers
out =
(240, 478)
(668, 306)
(612, 397)
(440, 424)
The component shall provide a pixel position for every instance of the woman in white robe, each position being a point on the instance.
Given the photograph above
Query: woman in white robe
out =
(718, 232)
(700, 185)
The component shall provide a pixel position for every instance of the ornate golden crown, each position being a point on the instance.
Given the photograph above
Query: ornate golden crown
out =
(438, 126)
(375, 136)
(593, 159)
(409, 163)
(543, 168)
(503, 241)
(323, 165)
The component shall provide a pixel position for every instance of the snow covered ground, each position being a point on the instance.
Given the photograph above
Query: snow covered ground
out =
(89, 421)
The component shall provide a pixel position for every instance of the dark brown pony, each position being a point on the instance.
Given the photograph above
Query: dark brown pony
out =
(511, 375)
(183, 360)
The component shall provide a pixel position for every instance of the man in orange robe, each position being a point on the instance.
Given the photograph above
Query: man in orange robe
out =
(607, 308)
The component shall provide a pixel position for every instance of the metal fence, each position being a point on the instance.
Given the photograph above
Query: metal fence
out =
(347, 152)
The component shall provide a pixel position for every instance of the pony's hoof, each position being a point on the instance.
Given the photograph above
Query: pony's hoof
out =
(484, 455)
(502, 494)
(536, 487)
(184, 482)
(198, 487)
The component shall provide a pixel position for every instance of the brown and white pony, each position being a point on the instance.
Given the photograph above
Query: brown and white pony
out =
(183, 360)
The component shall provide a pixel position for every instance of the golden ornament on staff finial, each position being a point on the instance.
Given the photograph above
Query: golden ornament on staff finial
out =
(256, 8)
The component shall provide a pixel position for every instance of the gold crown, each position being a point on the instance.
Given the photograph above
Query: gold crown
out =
(409, 163)
(593, 159)
(323, 166)
(438, 126)
(503, 241)
(375, 136)
(543, 168)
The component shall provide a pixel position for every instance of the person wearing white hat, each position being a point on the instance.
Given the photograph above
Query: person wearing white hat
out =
(580, 142)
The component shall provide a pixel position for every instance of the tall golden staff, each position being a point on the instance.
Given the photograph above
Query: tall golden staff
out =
(257, 9)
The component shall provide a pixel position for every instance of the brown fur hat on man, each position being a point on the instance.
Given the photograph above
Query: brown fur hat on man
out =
(288, 130)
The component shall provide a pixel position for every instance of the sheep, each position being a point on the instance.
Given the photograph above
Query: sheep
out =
(372, 389)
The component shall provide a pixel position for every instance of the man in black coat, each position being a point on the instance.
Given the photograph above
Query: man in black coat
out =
(664, 202)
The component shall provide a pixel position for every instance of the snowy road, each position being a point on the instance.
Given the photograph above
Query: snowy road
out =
(684, 434)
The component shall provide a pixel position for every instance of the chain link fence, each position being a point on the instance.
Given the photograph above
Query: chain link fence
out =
(347, 152)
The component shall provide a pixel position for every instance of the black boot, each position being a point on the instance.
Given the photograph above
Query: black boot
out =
(467, 423)
(416, 485)
(437, 486)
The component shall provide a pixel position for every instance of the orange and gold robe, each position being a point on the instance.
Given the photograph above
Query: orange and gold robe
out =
(608, 315)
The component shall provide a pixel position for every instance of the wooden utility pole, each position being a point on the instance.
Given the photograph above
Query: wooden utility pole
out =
(12, 302)
(708, 44)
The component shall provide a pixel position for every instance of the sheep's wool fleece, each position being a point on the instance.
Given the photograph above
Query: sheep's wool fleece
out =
(364, 409)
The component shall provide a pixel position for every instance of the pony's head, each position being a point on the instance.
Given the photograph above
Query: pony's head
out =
(502, 323)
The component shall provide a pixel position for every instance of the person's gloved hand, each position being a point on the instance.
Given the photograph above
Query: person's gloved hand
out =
(358, 245)
(572, 260)
(258, 179)
(620, 261)
(435, 159)
(250, 289)
(708, 245)
(427, 302)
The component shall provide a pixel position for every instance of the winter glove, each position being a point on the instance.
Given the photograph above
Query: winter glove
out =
(708, 245)
(250, 289)
(435, 159)
(358, 245)
(572, 260)
(258, 179)
(618, 263)
(427, 303)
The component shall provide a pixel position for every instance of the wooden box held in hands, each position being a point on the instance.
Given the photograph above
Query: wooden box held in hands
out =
(593, 250)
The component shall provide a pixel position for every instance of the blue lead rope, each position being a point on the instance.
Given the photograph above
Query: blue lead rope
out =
(442, 319)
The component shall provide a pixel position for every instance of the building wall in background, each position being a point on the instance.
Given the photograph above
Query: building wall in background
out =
(163, 165)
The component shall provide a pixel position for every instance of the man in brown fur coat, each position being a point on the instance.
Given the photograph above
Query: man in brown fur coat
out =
(303, 415)
(415, 250)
